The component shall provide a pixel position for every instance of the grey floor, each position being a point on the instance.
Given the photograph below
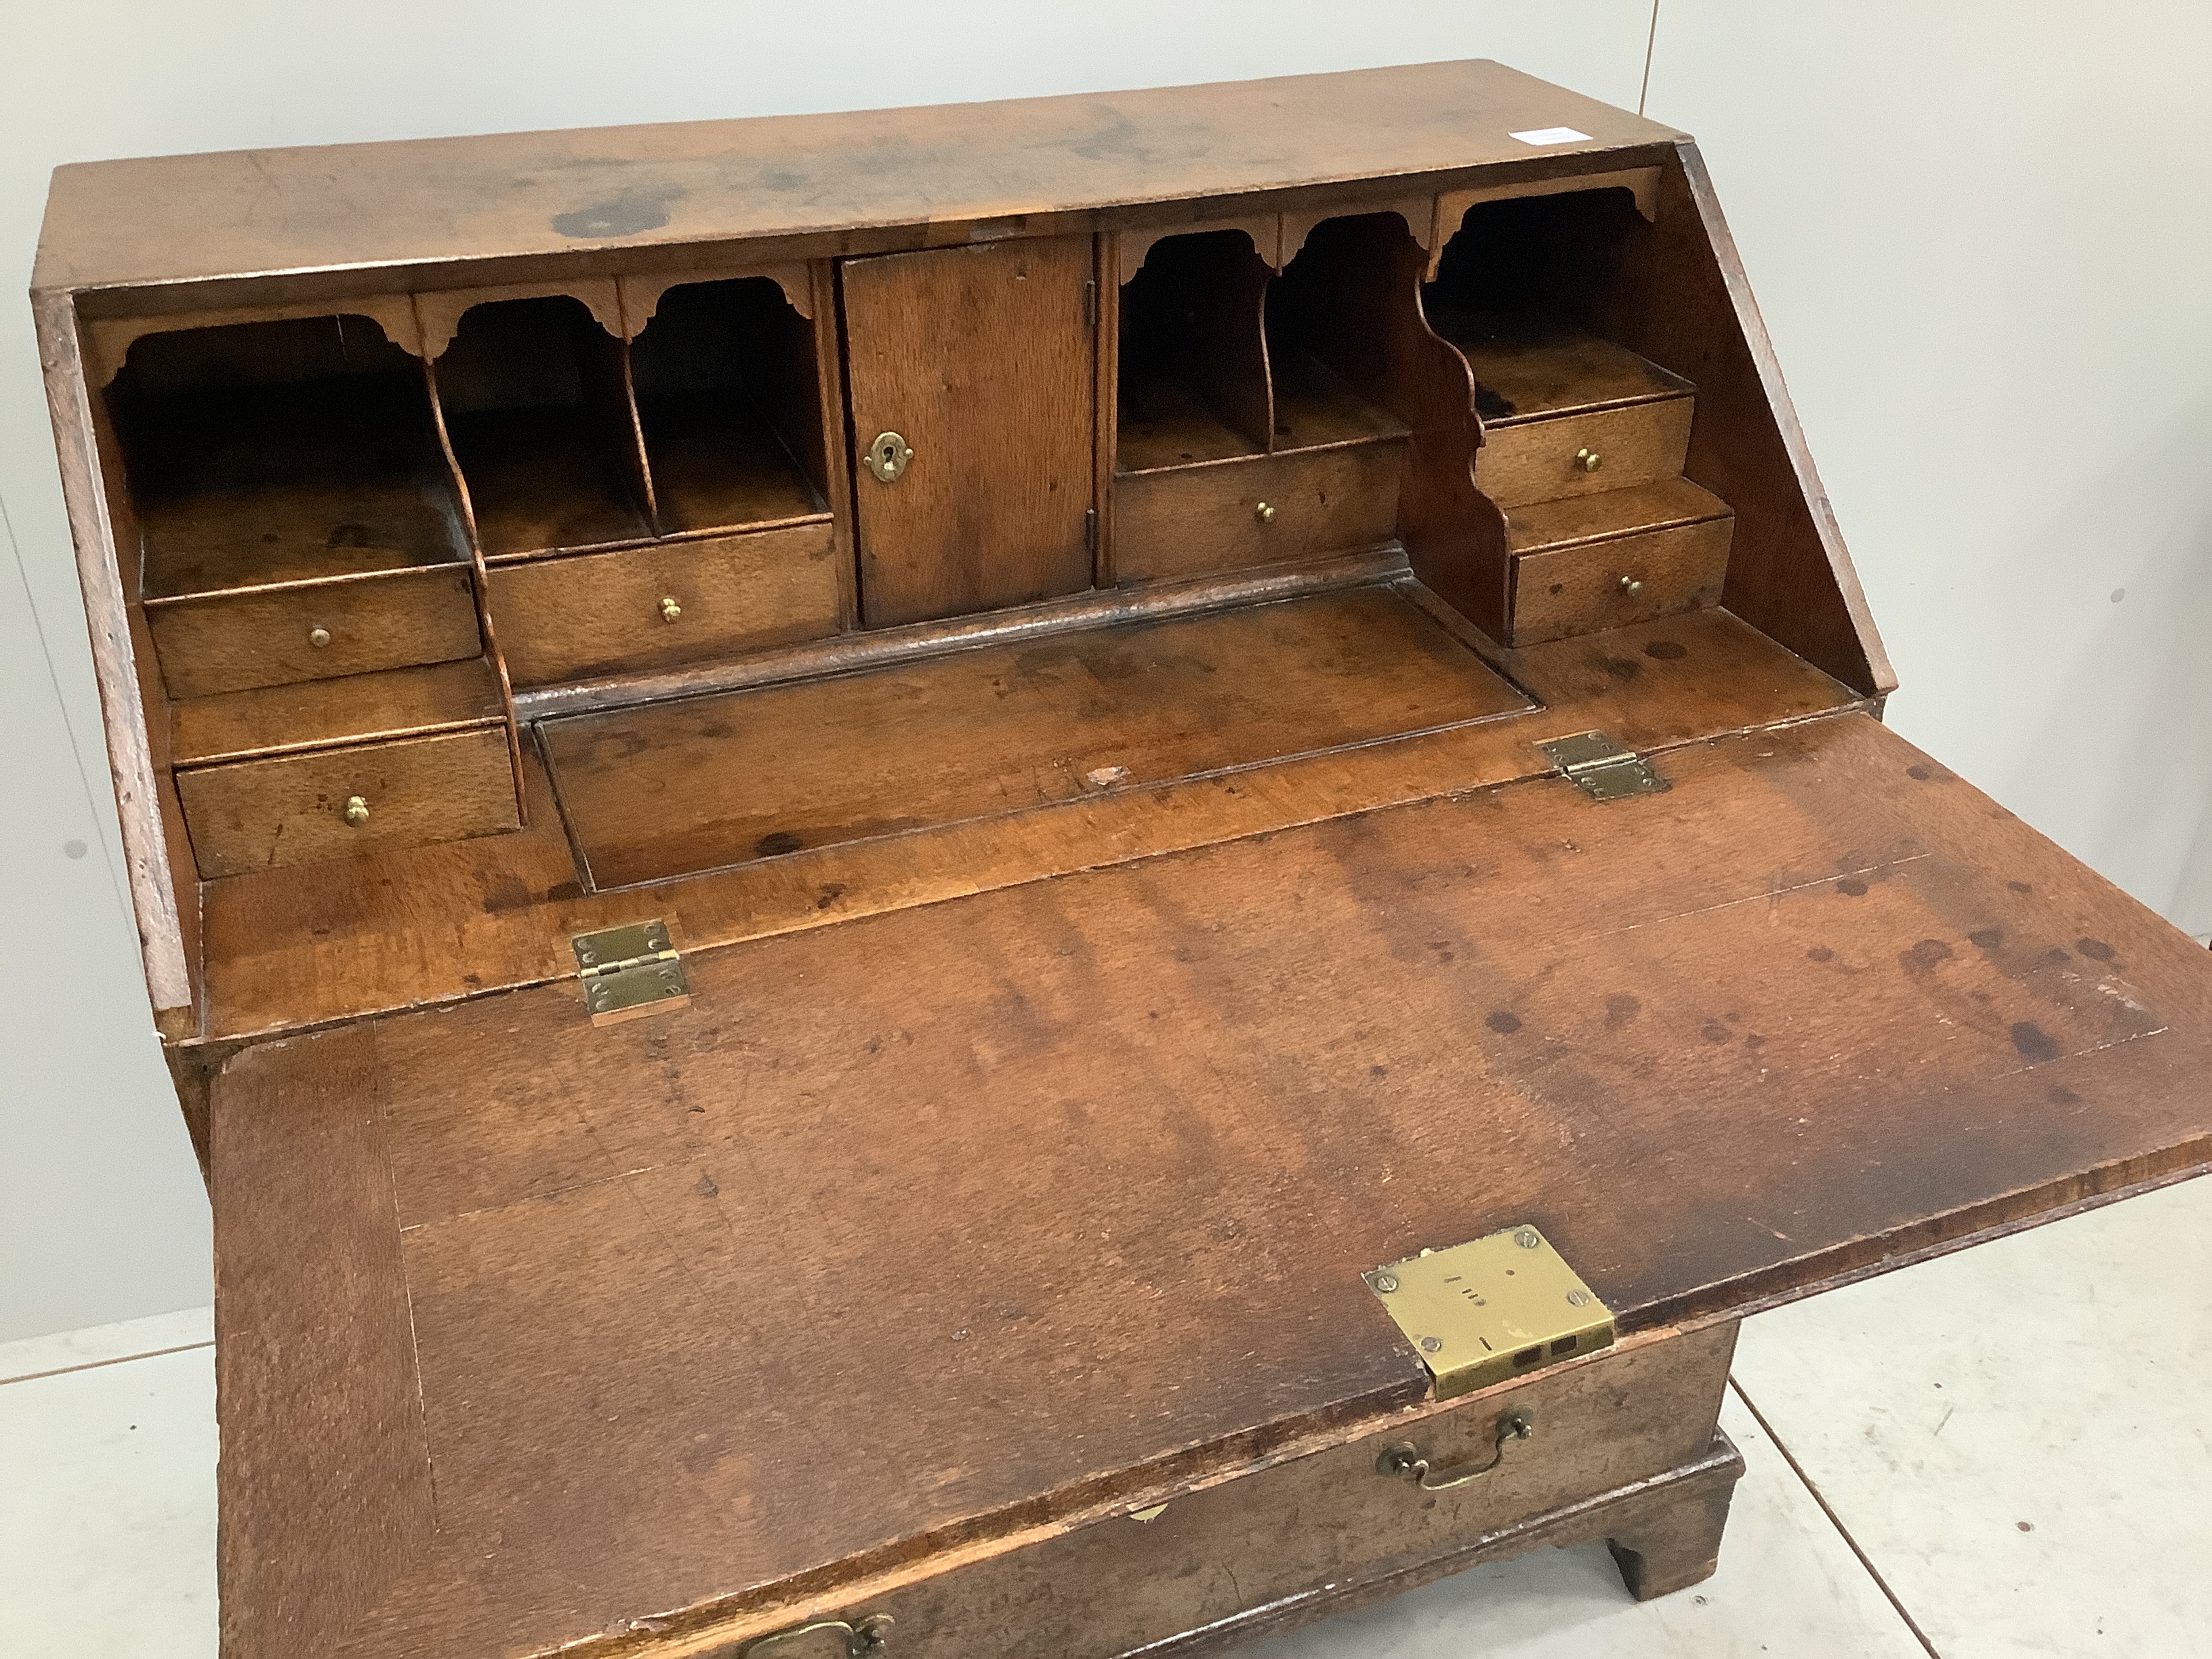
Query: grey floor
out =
(2000, 1453)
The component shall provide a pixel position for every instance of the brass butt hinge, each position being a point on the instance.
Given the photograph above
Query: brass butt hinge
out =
(629, 972)
(1488, 1311)
(1601, 768)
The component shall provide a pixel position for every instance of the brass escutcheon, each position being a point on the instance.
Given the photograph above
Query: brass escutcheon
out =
(888, 456)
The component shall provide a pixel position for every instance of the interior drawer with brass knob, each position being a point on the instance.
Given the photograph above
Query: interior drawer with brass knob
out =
(1255, 510)
(210, 643)
(1606, 560)
(286, 809)
(664, 603)
(1552, 457)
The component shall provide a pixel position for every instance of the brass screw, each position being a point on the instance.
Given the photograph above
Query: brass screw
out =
(670, 611)
(1431, 1344)
(318, 637)
(1264, 513)
(1527, 1239)
(356, 810)
(1386, 1283)
(1589, 459)
(1578, 1298)
(1631, 587)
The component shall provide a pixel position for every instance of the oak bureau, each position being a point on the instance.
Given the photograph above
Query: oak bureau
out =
(1060, 878)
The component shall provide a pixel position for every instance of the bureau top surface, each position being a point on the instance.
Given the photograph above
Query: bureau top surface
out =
(182, 219)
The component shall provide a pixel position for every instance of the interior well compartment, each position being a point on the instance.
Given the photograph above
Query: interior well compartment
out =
(535, 396)
(280, 451)
(656, 792)
(730, 403)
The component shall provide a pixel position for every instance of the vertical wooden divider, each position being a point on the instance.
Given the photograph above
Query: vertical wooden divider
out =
(480, 583)
(828, 322)
(626, 381)
(1106, 424)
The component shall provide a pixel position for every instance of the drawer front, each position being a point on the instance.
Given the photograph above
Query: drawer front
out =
(235, 642)
(1194, 521)
(1622, 579)
(1535, 460)
(1330, 1518)
(609, 613)
(291, 809)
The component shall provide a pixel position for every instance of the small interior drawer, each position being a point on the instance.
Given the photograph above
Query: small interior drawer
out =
(1191, 520)
(1620, 580)
(292, 809)
(215, 643)
(1544, 460)
(663, 604)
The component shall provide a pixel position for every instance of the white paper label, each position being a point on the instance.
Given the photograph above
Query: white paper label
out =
(1551, 136)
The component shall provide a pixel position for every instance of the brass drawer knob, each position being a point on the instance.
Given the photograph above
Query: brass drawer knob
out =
(356, 810)
(1631, 587)
(1264, 513)
(670, 611)
(1589, 460)
(318, 637)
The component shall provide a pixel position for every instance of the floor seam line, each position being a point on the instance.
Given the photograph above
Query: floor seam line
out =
(99, 1365)
(1834, 1520)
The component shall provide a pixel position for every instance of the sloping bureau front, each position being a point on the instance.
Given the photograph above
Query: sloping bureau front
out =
(1157, 702)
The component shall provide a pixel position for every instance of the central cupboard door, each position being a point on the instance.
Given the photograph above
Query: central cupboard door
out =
(982, 360)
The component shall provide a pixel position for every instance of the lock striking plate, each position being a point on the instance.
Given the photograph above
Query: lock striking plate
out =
(1601, 768)
(629, 972)
(1498, 1308)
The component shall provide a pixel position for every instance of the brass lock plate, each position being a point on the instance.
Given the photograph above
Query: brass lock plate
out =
(888, 456)
(1491, 1310)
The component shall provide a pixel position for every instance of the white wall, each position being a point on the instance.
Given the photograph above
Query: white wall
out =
(1979, 242)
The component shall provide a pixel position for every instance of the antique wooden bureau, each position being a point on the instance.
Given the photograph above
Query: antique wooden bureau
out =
(847, 830)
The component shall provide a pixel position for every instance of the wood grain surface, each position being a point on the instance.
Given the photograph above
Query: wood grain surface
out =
(601, 613)
(184, 220)
(672, 788)
(983, 359)
(1085, 1170)
(315, 714)
(287, 948)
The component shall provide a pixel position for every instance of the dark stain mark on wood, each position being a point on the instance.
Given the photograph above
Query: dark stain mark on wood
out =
(507, 893)
(1925, 955)
(1820, 953)
(1716, 1032)
(1619, 1009)
(1986, 938)
(2034, 1042)
(706, 1186)
(2096, 949)
(1919, 772)
(776, 842)
(2020, 887)
(1503, 1022)
(1666, 650)
(623, 215)
(1851, 887)
(2063, 1096)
